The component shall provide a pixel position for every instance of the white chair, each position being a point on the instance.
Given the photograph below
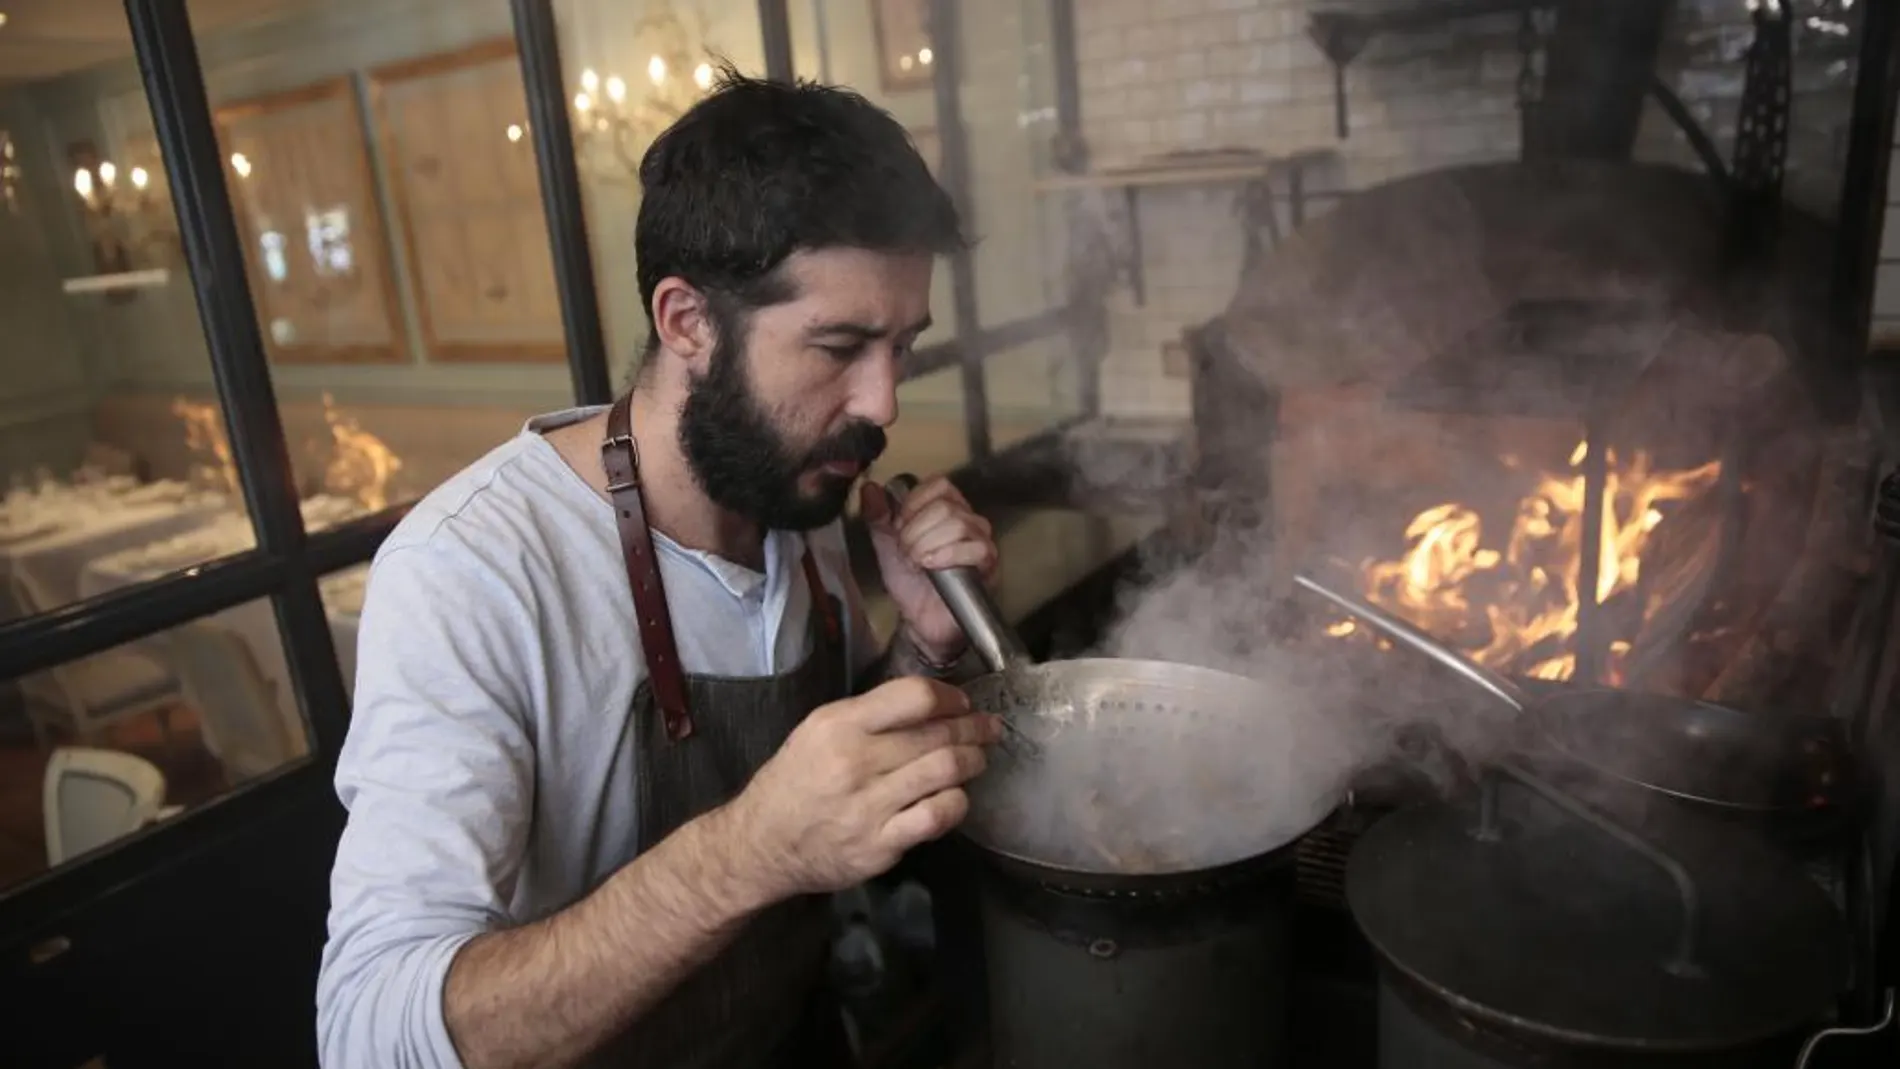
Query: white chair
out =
(94, 692)
(92, 797)
(244, 726)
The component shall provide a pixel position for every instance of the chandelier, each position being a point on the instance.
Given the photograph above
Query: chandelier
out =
(615, 120)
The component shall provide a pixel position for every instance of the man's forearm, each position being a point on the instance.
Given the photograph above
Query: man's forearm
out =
(551, 992)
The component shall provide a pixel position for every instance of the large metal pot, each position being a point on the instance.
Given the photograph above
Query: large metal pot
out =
(1521, 928)
(1134, 834)
(1165, 971)
(1793, 773)
(1116, 770)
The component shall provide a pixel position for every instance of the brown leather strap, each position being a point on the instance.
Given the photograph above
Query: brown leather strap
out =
(821, 602)
(643, 573)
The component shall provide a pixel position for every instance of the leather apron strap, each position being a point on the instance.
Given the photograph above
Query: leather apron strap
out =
(622, 463)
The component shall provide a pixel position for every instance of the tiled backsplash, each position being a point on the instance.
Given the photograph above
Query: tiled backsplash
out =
(1211, 74)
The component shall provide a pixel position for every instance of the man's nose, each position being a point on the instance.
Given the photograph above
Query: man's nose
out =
(874, 390)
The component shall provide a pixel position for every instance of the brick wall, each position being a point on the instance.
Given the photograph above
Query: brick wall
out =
(1209, 74)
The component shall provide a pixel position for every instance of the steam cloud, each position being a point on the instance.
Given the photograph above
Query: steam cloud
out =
(1419, 267)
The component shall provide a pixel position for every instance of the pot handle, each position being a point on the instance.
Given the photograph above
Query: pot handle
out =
(976, 613)
(1814, 1041)
(1499, 687)
(1683, 961)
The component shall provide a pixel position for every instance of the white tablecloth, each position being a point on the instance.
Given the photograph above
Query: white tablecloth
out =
(49, 562)
(253, 622)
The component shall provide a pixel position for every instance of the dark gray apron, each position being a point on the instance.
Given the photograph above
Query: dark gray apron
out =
(762, 1002)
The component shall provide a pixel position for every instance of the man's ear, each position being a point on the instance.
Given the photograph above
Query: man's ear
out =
(683, 321)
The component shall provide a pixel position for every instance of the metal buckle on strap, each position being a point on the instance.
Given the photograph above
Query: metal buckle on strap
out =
(633, 462)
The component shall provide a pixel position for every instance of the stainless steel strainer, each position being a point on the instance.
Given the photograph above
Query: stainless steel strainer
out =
(1134, 767)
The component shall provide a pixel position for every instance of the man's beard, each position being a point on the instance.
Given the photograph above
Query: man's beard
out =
(746, 466)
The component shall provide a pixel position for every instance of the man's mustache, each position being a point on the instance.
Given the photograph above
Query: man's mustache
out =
(859, 443)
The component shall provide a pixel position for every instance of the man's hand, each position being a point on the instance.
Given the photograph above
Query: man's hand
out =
(859, 782)
(935, 528)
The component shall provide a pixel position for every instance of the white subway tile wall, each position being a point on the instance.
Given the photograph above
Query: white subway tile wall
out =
(1212, 74)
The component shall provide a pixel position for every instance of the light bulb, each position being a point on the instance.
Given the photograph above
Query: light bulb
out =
(139, 178)
(582, 102)
(702, 76)
(590, 81)
(616, 89)
(514, 131)
(107, 172)
(241, 164)
(82, 183)
(656, 70)
(905, 62)
(923, 56)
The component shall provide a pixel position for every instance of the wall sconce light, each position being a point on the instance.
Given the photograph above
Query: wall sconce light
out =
(9, 172)
(127, 220)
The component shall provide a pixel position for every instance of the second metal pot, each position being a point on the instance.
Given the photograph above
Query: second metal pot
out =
(1795, 768)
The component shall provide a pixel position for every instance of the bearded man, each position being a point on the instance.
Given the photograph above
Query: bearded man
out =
(620, 722)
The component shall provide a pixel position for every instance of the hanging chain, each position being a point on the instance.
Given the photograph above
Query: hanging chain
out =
(1761, 132)
(1527, 45)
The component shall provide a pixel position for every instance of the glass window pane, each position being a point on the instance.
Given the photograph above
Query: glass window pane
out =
(111, 437)
(1032, 388)
(384, 181)
(635, 65)
(98, 748)
(929, 436)
(1009, 123)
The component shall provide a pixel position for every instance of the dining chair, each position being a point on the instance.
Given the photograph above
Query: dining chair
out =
(88, 695)
(245, 727)
(91, 797)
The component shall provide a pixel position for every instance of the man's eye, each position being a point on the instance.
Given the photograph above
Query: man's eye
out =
(844, 352)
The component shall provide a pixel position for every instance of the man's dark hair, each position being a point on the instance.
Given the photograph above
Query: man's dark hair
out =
(759, 170)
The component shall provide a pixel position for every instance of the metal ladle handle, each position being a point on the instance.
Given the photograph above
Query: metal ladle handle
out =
(1398, 630)
(969, 601)
(1682, 962)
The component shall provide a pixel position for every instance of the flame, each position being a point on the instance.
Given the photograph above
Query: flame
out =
(1528, 590)
(362, 465)
(204, 436)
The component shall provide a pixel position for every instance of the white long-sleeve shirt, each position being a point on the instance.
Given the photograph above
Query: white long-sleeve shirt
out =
(488, 769)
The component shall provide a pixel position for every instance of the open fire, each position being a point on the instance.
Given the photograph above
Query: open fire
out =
(1514, 607)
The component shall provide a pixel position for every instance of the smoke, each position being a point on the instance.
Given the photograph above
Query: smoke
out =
(1399, 323)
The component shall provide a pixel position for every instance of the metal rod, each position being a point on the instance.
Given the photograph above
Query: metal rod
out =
(1863, 204)
(1493, 683)
(1683, 961)
(946, 39)
(174, 86)
(775, 32)
(1596, 475)
(986, 343)
(537, 39)
(1071, 148)
(1699, 140)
